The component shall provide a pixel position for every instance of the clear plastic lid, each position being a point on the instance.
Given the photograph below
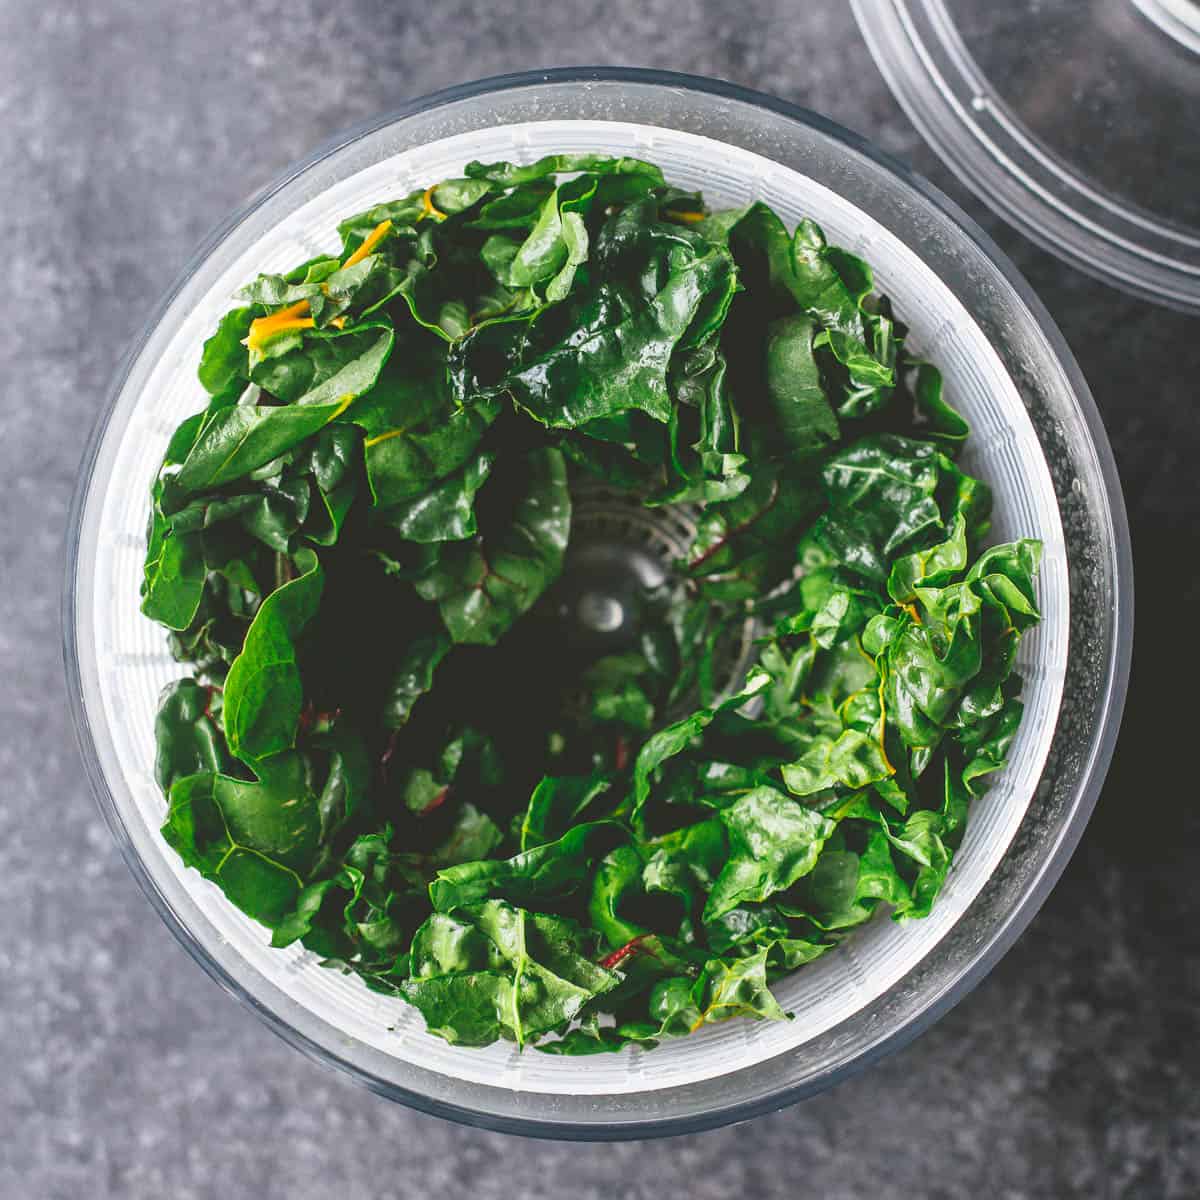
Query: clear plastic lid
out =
(1076, 120)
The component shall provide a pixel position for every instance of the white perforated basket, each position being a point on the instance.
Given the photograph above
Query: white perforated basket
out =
(121, 664)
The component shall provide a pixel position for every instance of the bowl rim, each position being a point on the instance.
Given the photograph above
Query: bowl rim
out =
(1110, 693)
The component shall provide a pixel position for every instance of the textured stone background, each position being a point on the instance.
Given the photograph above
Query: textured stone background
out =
(129, 127)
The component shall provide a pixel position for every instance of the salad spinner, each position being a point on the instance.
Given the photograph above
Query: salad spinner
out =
(1037, 439)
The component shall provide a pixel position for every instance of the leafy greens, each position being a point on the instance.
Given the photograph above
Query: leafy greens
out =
(383, 753)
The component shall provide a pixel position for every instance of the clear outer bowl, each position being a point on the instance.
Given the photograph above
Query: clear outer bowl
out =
(1038, 439)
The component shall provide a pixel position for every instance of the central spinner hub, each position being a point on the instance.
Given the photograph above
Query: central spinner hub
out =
(624, 560)
(605, 589)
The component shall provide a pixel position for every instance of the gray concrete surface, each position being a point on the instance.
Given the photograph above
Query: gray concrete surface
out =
(127, 128)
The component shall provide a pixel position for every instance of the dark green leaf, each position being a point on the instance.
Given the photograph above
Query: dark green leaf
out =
(553, 869)
(544, 980)
(512, 175)
(173, 582)
(484, 585)
(225, 361)
(853, 760)
(256, 840)
(243, 438)
(617, 881)
(773, 841)
(557, 803)
(187, 735)
(263, 690)
(674, 739)
(736, 988)
(329, 368)
(446, 512)
(413, 677)
(806, 422)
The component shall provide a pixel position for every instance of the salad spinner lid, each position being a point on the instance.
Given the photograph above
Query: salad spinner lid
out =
(1075, 120)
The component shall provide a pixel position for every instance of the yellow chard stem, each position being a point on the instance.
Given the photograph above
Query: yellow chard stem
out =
(427, 206)
(369, 243)
(285, 320)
